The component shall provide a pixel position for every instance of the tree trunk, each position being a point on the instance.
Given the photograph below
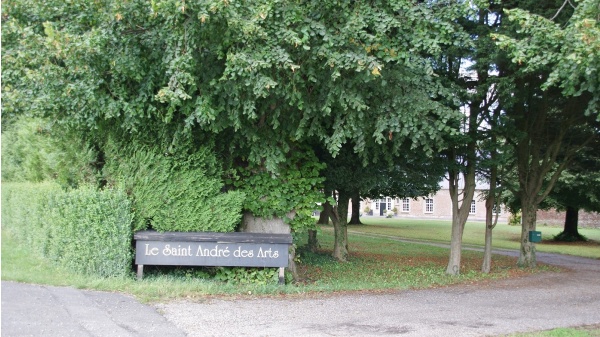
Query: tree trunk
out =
(98, 165)
(460, 213)
(467, 160)
(339, 218)
(527, 257)
(570, 232)
(292, 268)
(324, 216)
(490, 220)
(486, 266)
(453, 267)
(313, 241)
(355, 218)
(571, 221)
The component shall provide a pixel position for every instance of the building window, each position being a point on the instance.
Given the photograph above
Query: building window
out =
(389, 203)
(428, 205)
(472, 210)
(377, 204)
(405, 205)
(497, 209)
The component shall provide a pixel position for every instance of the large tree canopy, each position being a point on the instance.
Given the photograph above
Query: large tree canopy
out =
(571, 49)
(265, 73)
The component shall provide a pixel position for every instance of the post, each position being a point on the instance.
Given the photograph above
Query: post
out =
(282, 275)
(140, 271)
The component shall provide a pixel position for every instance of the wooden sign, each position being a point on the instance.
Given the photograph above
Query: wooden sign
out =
(236, 249)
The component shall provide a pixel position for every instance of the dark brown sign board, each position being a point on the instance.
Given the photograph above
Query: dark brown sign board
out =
(237, 249)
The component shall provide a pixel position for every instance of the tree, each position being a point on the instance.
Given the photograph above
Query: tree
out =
(462, 164)
(577, 188)
(333, 72)
(408, 176)
(343, 175)
(495, 171)
(33, 150)
(552, 116)
(265, 78)
(467, 66)
(569, 48)
(486, 131)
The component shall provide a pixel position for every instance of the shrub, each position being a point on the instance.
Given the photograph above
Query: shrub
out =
(515, 219)
(180, 191)
(295, 188)
(86, 230)
(91, 231)
(34, 150)
(239, 275)
(24, 212)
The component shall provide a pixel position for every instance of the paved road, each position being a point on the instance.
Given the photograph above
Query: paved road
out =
(34, 310)
(533, 303)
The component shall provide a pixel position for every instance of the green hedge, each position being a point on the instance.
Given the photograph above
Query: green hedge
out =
(86, 230)
(35, 150)
(181, 191)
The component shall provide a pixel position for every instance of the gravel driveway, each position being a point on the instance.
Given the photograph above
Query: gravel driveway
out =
(537, 302)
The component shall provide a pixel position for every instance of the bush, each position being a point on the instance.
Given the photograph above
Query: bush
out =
(296, 188)
(86, 230)
(24, 212)
(91, 231)
(515, 219)
(180, 191)
(34, 150)
(240, 275)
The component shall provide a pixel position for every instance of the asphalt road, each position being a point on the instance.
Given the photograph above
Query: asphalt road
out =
(537, 302)
(35, 310)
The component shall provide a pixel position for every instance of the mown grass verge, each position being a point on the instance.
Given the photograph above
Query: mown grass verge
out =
(504, 236)
(584, 331)
(374, 265)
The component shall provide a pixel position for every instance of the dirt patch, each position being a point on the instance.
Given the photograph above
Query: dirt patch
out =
(590, 327)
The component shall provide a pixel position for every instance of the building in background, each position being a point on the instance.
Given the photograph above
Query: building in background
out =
(435, 206)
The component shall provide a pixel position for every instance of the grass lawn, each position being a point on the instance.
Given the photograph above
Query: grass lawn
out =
(504, 236)
(584, 331)
(374, 265)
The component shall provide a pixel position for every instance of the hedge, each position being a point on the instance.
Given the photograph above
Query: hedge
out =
(181, 191)
(86, 230)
